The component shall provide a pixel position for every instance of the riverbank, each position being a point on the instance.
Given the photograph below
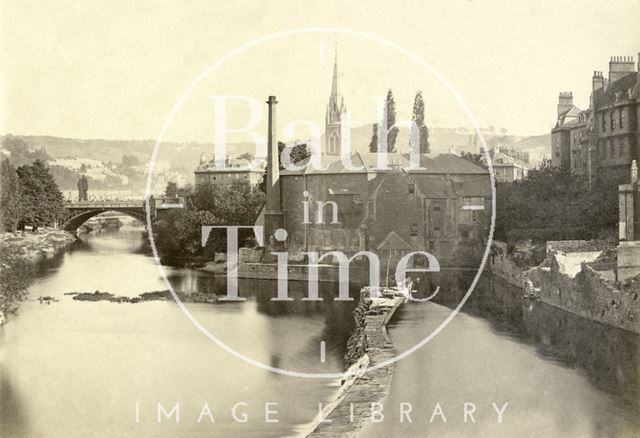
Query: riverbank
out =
(37, 247)
(368, 347)
(21, 256)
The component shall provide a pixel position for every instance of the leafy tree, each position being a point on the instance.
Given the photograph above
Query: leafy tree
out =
(418, 120)
(10, 191)
(42, 201)
(129, 160)
(474, 158)
(552, 204)
(178, 233)
(299, 153)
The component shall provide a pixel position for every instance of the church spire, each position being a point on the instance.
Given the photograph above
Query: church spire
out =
(334, 110)
(334, 85)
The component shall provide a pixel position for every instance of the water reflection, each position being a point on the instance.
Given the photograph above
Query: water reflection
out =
(563, 376)
(77, 369)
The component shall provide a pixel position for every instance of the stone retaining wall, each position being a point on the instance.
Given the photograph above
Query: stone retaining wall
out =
(369, 345)
(588, 294)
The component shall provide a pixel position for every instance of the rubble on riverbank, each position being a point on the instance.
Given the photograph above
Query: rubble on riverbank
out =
(36, 247)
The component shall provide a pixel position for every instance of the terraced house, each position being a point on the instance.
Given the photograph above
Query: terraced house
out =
(600, 142)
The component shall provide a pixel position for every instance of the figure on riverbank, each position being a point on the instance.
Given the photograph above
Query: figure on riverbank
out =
(83, 188)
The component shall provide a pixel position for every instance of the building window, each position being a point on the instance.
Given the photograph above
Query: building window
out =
(612, 120)
(620, 116)
(612, 150)
(412, 189)
(604, 122)
(622, 150)
(414, 230)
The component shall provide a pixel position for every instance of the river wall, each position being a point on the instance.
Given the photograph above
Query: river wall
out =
(368, 346)
(587, 293)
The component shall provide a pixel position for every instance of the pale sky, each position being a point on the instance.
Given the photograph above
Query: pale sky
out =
(114, 69)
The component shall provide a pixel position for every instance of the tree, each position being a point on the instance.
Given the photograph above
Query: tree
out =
(418, 121)
(10, 191)
(373, 144)
(42, 201)
(387, 124)
(178, 233)
(552, 204)
(298, 153)
(474, 158)
(391, 122)
(130, 160)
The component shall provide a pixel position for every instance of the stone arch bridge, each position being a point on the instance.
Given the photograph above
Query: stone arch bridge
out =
(78, 213)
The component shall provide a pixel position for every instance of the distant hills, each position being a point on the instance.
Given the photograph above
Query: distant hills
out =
(182, 158)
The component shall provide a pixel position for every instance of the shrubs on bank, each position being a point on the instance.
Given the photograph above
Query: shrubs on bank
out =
(553, 204)
(178, 234)
(16, 275)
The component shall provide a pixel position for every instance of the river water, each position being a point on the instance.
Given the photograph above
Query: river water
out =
(559, 375)
(79, 369)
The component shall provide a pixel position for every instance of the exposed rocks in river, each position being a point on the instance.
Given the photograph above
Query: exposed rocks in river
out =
(161, 295)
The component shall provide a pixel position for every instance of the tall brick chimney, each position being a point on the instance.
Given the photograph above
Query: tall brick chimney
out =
(273, 218)
(620, 66)
(565, 101)
(273, 163)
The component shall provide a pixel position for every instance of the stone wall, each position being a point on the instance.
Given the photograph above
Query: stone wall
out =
(588, 294)
(326, 273)
(501, 265)
(574, 245)
(369, 346)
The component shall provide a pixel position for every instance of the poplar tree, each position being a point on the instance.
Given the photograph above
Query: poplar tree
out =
(418, 121)
(387, 124)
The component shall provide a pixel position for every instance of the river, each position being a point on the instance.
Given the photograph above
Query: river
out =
(79, 369)
(558, 374)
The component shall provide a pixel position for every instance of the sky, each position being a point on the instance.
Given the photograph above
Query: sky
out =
(114, 70)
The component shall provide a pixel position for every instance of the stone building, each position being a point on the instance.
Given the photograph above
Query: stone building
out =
(391, 209)
(508, 165)
(600, 142)
(235, 171)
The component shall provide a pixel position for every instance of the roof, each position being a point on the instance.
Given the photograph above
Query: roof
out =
(567, 117)
(232, 165)
(607, 96)
(393, 241)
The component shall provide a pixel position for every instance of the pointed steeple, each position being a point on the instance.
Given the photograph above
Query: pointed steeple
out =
(335, 108)
(334, 85)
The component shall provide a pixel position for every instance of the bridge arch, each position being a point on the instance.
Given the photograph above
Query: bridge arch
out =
(73, 222)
